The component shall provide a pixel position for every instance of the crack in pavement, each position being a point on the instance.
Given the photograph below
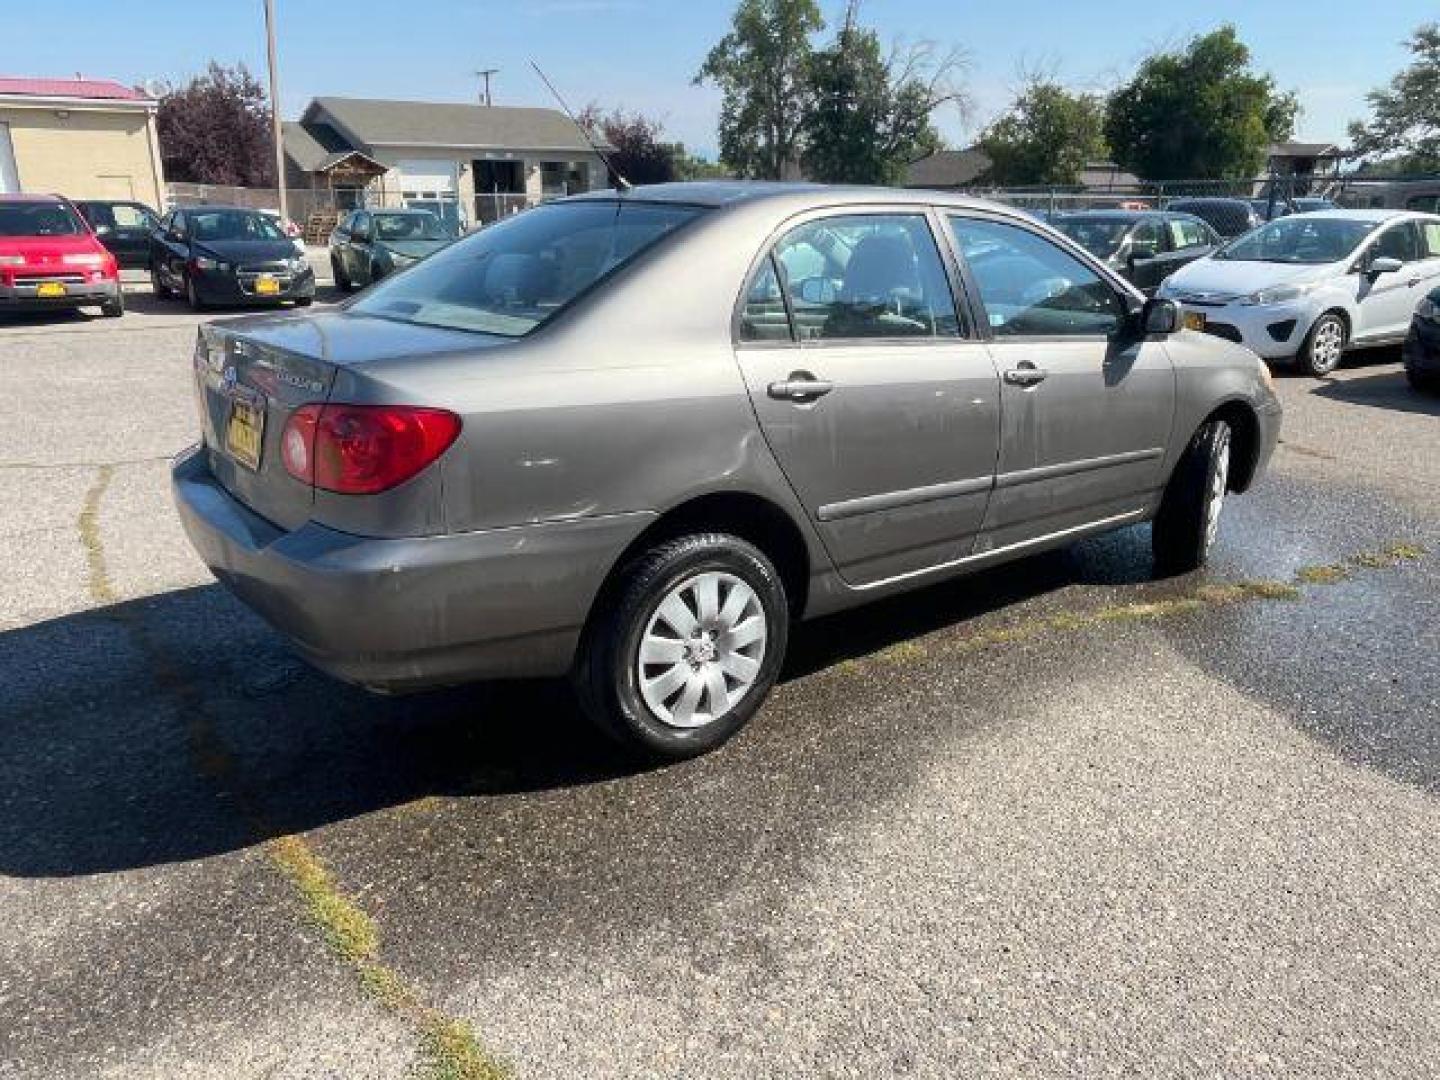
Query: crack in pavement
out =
(449, 1049)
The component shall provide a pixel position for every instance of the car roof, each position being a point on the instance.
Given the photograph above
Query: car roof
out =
(1128, 215)
(717, 193)
(220, 206)
(1217, 200)
(1363, 215)
(18, 197)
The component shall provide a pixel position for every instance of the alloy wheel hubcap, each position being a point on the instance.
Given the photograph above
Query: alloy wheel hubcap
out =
(702, 649)
(1219, 480)
(1329, 340)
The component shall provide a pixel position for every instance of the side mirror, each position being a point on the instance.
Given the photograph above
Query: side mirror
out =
(1160, 317)
(1384, 265)
(364, 235)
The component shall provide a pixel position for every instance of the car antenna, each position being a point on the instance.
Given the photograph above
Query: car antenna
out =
(625, 185)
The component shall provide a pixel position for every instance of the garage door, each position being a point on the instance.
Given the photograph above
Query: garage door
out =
(430, 184)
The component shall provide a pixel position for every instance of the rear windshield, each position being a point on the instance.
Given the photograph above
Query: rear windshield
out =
(39, 219)
(511, 277)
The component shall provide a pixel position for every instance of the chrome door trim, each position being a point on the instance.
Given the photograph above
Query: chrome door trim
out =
(891, 500)
(1001, 553)
(1069, 468)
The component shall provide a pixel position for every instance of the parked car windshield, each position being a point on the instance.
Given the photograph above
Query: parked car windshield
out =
(233, 225)
(413, 226)
(511, 277)
(1299, 239)
(1097, 235)
(39, 219)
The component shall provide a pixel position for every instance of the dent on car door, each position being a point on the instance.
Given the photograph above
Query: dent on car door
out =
(1087, 405)
(879, 404)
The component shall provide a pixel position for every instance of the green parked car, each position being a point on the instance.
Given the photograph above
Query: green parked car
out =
(369, 244)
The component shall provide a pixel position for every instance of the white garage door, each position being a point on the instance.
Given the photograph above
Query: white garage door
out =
(430, 184)
(426, 174)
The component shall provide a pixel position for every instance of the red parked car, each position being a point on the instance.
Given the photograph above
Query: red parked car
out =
(50, 257)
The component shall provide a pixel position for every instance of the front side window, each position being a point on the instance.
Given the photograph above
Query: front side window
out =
(1031, 288)
(866, 276)
(1430, 234)
(1400, 241)
(513, 276)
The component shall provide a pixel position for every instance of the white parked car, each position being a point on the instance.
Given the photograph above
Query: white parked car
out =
(1307, 287)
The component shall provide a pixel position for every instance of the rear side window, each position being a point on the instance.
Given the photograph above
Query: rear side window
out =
(1030, 287)
(763, 316)
(866, 276)
(1148, 234)
(1430, 231)
(1400, 241)
(1188, 233)
(511, 277)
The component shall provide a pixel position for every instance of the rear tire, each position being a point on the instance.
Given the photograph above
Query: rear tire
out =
(1185, 528)
(304, 301)
(1324, 346)
(709, 615)
(192, 296)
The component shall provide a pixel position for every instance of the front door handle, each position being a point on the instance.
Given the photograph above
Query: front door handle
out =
(800, 387)
(1413, 282)
(1025, 375)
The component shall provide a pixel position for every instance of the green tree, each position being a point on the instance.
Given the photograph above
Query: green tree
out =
(1047, 136)
(1198, 112)
(761, 67)
(868, 117)
(1405, 116)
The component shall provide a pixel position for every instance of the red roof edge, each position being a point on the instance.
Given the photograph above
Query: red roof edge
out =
(94, 89)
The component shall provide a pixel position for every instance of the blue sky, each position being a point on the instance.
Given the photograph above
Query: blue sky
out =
(642, 53)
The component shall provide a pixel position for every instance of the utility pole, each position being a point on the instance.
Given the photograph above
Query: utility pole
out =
(485, 74)
(275, 108)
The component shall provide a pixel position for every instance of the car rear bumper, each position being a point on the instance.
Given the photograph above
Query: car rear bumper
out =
(226, 287)
(22, 294)
(1422, 347)
(406, 614)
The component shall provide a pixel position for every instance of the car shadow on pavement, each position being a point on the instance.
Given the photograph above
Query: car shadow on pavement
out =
(181, 726)
(1385, 390)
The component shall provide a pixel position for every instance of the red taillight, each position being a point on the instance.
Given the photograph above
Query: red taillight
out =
(362, 449)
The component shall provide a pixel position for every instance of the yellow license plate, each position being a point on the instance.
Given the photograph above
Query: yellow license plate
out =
(266, 286)
(47, 289)
(245, 431)
(1194, 320)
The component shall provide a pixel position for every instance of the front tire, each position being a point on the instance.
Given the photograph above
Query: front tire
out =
(1324, 346)
(686, 646)
(161, 290)
(343, 283)
(113, 309)
(1189, 519)
(192, 295)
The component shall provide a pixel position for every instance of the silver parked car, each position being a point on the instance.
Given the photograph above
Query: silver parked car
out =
(633, 437)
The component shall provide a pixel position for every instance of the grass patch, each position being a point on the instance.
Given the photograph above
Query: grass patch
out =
(1322, 575)
(349, 931)
(102, 590)
(1403, 552)
(450, 1051)
(904, 652)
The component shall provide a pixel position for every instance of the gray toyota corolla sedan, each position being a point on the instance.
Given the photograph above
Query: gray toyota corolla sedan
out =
(633, 437)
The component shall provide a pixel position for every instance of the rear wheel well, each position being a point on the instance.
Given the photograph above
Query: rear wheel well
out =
(1244, 441)
(750, 517)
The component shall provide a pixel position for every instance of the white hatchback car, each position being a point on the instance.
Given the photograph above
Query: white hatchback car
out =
(1307, 287)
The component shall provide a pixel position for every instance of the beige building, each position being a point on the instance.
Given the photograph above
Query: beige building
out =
(471, 162)
(82, 138)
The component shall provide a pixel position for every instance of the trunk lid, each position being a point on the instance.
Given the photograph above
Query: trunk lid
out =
(266, 367)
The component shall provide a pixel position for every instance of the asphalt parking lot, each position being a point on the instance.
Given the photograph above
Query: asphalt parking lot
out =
(1056, 820)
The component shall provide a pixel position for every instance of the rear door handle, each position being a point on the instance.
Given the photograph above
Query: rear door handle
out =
(800, 387)
(1413, 282)
(1025, 375)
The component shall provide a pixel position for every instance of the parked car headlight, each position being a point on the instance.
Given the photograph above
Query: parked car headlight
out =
(1428, 309)
(12, 260)
(203, 263)
(1275, 294)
